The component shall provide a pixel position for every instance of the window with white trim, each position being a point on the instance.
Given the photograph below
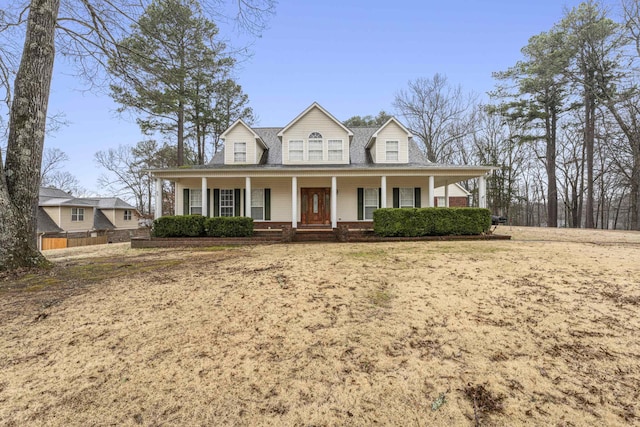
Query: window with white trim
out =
(296, 150)
(392, 150)
(407, 198)
(335, 149)
(316, 147)
(440, 202)
(240, 152)
(127, 215)
(257, 203)
(370, 202)
(226, 202)
(195, 201)
(77, 214)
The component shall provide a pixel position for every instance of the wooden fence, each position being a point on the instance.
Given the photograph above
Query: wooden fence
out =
(63, 242)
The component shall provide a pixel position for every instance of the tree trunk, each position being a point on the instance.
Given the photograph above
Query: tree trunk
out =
(20, 178)
(589, 141)
(552, 207)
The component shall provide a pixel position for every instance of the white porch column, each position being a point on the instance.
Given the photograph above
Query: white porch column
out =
(247, 196)
(446, 195)
(294, 202)
(383, 192)
(158, 208)
(175, 198)
(431, 192)
(205, 202)
(334, 202)
(482, 192)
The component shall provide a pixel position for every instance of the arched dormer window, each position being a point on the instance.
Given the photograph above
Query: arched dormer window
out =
(316, 147)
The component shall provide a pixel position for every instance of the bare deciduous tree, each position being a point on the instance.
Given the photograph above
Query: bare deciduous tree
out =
(436, 113)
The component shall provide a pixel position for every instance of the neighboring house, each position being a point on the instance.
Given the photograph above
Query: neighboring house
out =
(61, 214)
(316, 171)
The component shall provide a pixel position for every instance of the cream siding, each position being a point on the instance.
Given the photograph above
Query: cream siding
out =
(67, 225)
(391, 132)
(116, 216)
(241, 134)
(280, 193)
(454, 191)
(315, 121)
(348, 196)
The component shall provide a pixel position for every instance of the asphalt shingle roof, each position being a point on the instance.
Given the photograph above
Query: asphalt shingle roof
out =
(358, 155)
(45, 224)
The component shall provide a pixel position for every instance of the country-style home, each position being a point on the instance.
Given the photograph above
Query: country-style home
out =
(315, 171)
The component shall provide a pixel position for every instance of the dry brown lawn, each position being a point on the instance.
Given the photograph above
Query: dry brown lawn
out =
(539, 330)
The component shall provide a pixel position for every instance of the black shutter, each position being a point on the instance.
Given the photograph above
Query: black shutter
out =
(244, 199)
(205, 202)
(379, 197)
(360, 204)
(267, 204)
(185, 201)
(417, 202)
(236, 202)
(396, 197)
(216, 202)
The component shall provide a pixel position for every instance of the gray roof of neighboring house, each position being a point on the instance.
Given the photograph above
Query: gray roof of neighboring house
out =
(101, 222)
(52, 192)
(358, 155)
(45, 224)
(50, 196)
(113, 203)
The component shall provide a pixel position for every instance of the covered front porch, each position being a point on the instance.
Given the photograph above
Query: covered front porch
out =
(314, 199)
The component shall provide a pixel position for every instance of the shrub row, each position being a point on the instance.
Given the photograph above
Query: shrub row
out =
(197, 226)
(414, 222)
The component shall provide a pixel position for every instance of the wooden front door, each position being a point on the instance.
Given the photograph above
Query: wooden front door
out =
(315, 207)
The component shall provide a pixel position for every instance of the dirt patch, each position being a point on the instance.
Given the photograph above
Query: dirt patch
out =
(538, 330)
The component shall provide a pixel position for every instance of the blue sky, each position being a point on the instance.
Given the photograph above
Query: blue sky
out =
(350, 56)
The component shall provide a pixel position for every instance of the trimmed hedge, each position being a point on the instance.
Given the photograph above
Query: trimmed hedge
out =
(197, 226)
(415, 222)
(179, 226)
(229, 226)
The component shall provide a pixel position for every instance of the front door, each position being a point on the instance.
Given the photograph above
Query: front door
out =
(315, 207)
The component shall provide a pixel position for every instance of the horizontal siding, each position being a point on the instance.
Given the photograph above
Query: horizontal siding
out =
(240, 134)
(348, 196)
(315, 121)
(68, 225)
(392, 132)
(119, 221)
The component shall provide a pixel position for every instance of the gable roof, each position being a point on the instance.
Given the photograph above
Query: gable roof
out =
(391, 120)
(311, 107)
(242, 122)
(358, 154)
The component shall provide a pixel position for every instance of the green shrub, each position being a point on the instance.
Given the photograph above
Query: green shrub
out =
(179, 226)
(229, 226)
(414, 222)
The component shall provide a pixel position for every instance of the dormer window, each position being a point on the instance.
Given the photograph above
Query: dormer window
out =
(392, 151)
(240, 152)
(316, 148)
